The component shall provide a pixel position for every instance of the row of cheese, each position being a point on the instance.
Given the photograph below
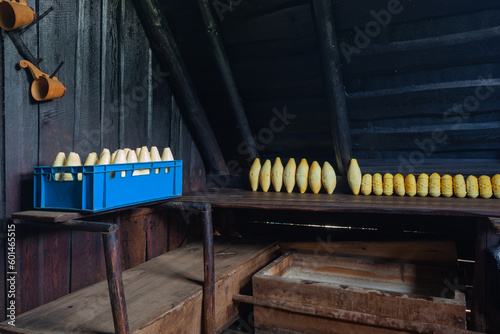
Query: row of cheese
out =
(435, 185)
(120, 156)
(315, 177)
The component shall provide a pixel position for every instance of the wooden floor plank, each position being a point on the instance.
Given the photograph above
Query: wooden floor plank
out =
(163, 294)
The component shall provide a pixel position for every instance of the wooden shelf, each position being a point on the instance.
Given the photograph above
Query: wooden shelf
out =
(246, 199)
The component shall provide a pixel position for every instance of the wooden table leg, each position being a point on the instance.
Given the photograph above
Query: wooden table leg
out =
(209, 281)
(115, 282)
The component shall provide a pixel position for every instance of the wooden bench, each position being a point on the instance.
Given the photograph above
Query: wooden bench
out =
(164, 294)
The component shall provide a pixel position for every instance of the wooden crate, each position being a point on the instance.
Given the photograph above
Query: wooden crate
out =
(318, 293)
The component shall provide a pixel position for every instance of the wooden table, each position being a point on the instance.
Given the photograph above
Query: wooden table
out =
(487, 212)
(112, 253)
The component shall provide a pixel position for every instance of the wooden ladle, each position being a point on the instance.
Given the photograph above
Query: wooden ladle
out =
(44, 87)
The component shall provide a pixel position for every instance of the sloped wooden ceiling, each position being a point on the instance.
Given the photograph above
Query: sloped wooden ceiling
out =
(422, 84)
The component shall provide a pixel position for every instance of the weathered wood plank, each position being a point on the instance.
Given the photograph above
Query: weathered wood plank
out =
(57, 116)
(340, 202)
(110, 85)
(136, 75)
(132, 239)
(163, 294)
(156, 234)
(86, 247)
(162, 107)
(87, 125)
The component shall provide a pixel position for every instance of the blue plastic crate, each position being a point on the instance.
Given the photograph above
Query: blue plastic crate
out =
(106, 187)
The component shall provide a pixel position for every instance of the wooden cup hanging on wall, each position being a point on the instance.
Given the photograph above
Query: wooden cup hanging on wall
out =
(15, 14)
(44, 87)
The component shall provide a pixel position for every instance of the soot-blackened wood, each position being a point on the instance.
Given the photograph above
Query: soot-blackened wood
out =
(115, 282)
(165, 48)
(110, 88)
(334, 86)
(219, 54)
(162, 108)
(22, 49)
(87, 125)
(135, 69)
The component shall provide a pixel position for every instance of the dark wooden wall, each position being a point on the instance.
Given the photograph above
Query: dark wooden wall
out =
(117, 96)
(407, 82)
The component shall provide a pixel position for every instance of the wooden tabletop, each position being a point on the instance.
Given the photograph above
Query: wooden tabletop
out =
(245, 199)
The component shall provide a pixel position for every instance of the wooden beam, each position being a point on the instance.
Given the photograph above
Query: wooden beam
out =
(334, 85)
(219, 54)
(163, 45)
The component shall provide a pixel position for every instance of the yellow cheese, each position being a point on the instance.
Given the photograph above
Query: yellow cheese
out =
(328, 178)
(423, 185)
(495, 182)
(485, 189)
(265, 176)
(399, 184)
(459, 188)
(302, 175)
(410, 185)
(315, 177)
(388, 184)
(59, 161)
(435, 185)
(289, 175)
(378, 185)
(472, 186)
(254, 173)
(277, 175)
(354, 176)
(366, 184)
(447, 185)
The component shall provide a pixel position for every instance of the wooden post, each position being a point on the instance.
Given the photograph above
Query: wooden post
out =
(115, 282)
(220, 57)
(334, 85)
(162, 42)
(209, 281)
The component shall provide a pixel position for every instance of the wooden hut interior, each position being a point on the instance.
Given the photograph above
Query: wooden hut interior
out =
(387, 220)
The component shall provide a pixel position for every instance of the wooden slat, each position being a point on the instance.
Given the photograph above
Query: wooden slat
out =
(162, 108)
(245, 199)
(163, 295)
(132, 239)
(156, 234)
(440, 253)
(87, 88)
(110, 86)
(136, 72)
(85, 246)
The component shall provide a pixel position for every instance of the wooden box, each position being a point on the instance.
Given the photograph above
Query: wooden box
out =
(308, 293)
